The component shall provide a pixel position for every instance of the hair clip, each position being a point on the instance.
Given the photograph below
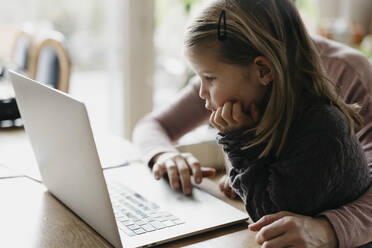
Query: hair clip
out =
(223, 36)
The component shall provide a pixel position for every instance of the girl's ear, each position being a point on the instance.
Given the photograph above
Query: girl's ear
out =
(264, 70)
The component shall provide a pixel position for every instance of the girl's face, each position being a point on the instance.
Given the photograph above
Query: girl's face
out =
(221, 82)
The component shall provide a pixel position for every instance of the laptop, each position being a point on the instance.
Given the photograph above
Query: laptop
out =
(126, 206)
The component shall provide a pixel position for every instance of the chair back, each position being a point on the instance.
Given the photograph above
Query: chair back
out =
(52, 63)
(21, 57)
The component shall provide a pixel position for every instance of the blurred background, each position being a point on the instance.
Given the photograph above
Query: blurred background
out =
(126, 55)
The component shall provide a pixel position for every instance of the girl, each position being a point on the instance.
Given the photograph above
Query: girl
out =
(288, 136)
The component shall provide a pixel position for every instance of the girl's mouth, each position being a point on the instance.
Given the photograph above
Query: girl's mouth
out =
(207, 106)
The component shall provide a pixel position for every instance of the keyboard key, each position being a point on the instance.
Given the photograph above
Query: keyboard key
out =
(178, 221)
(148, 228)
(172, 217)
(139, 196)
(131, 216)
(147, 209)
(158, 224)
(134, 227)
(166, 214)
(154, 206)
(119, 215)
(162, 218)
(140, 213)
(139, 231)
(155, 215)
(122, 218)
(148, 219)
(169, 223)
(124, 211)
(141, 222)
(128, 222)
(127, 230)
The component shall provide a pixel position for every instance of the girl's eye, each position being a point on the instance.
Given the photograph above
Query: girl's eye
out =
(210, 78)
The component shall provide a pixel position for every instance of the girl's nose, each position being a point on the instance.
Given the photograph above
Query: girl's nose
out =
(203, 93)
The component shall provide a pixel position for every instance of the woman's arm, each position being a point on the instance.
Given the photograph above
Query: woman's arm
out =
(352, 222)
(157, 131)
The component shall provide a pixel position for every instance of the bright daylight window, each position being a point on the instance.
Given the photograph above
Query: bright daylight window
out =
(83, 25)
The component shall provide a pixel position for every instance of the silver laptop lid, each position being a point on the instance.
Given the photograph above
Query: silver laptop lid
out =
(69, 164)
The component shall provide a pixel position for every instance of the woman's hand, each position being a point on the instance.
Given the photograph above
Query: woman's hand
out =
(285, 229)
(226, 188)
(180, 167)
(231, 117)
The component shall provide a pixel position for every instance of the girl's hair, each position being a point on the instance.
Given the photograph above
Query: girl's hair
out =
(273, 29)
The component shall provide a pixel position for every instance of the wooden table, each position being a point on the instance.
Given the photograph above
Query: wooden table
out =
(32, 217)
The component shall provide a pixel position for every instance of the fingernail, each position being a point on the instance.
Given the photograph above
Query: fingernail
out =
(176, 185)
(187, 191)
(198, 180)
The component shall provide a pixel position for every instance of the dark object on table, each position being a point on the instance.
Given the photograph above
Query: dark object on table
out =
(9, 111)
(2, 72)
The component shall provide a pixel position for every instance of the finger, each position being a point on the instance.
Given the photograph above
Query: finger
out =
(226, 113)
(184, 172)
(158, 170)
(271, 231)
(230, 192)
(208, 171)
(233, 193)
(221, 184)
(266, 220)
(172, 174)
(211, 120)
(238, 115)
(255, 113)
(226, 187)
(195, 168)
(218, 119)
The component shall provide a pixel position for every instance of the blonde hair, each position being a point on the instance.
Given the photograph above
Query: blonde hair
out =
(273, 29)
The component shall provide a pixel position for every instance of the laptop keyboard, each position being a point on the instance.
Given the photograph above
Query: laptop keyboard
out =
(135, 215)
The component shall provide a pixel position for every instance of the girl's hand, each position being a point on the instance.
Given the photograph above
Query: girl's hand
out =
(180, 167)
(285, 229)
(230, 117)
(226, 188)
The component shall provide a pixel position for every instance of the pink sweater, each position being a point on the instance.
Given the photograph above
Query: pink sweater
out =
(352, 74)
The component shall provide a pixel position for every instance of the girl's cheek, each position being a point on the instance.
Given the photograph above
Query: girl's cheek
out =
(220, 99)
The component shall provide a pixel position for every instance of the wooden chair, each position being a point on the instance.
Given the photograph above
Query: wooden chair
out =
(22, 52)
(51, 62)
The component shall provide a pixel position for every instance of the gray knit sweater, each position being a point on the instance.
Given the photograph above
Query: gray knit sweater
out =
(321, 166)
